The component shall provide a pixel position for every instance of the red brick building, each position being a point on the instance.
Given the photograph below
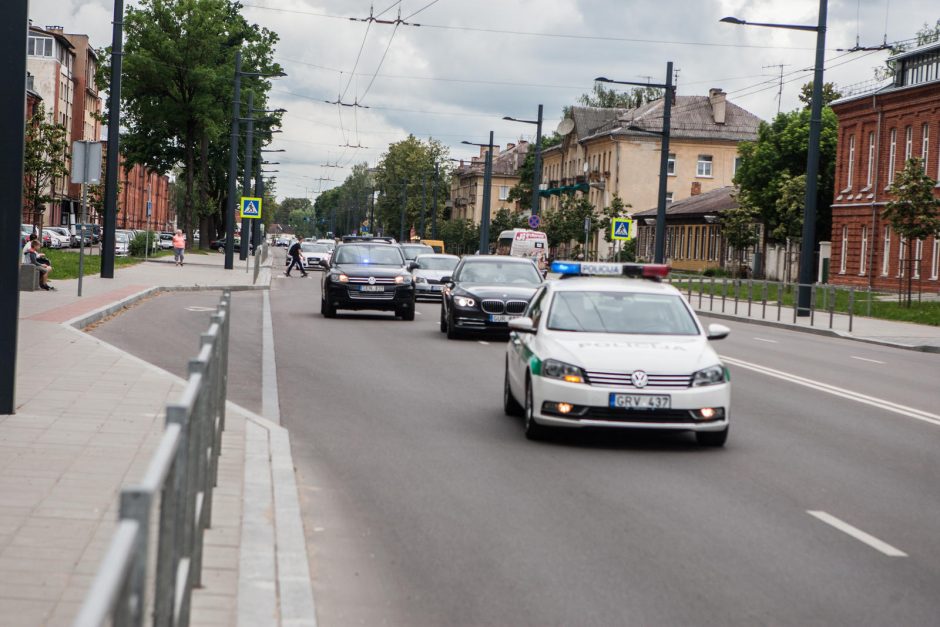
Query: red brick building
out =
(138, 185)
(878, 132)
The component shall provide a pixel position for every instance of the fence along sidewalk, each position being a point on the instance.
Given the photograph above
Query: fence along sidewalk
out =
(181, 475)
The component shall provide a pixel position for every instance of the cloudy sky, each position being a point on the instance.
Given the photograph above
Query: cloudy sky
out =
(470, 62)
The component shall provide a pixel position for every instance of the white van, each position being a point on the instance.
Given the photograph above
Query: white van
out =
(523, 243)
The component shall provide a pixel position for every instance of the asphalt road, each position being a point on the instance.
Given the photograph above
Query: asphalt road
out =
(425, 505)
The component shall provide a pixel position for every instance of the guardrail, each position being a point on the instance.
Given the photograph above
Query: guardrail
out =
(724, 295)
(177, 487)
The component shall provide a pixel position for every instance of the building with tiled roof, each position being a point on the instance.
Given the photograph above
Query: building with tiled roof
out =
(615, 151)
(467, 182)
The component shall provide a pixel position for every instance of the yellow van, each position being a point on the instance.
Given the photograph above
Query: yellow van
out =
(436, 244)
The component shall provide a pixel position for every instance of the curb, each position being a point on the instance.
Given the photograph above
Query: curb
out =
(922, 348)
(84, 320)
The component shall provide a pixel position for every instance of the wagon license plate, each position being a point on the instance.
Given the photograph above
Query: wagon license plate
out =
(371, 288)
(501, 317)
(640, 401)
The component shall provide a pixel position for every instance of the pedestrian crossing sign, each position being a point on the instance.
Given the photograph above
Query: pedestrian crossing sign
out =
(251, 207)
(622, 229)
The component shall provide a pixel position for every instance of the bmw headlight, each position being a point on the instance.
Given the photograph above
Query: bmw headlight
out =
(709, 376)
(464, 301)
(554, 369)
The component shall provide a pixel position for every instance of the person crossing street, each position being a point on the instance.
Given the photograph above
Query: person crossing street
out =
(294, 253)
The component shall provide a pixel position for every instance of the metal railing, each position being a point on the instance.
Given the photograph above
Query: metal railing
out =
(176, 487)
(830, 306)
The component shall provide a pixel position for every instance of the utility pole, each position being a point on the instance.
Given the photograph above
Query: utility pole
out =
(12, 146)
(424, 203)
(434, 202)
(404, 204)
(114, 138)
(487, 183)
(246, 183)
(233, 165)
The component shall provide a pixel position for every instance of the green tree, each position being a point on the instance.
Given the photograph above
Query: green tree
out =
(566, 224)
(460, 236)
(790, 205)
(739, 231)
(914, 213)
(605, 98)
(177, 91)
(404, 168)
(829, 93)
(779, 154)
(286, 206)
(43, 163)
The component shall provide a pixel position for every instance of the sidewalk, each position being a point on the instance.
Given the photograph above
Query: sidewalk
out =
(920, 337)
(88, 418)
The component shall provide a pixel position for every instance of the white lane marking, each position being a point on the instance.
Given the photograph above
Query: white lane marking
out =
(874, 361)
(760, 339)
(880, 403)
(483, 343)
(418, 312)
(858, 534)
(270, 401)
(197, 308)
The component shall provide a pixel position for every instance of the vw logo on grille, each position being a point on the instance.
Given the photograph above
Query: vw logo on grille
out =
(639, 379)
(371, 280)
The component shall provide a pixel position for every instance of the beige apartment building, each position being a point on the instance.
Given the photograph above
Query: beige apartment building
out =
(466, 191)
(612, 151)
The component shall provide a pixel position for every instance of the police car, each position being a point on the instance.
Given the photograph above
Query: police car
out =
(611, 345)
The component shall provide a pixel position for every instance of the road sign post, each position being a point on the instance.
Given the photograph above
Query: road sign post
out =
(86, 169)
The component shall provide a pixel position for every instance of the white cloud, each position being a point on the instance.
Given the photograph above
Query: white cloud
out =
(548, 70)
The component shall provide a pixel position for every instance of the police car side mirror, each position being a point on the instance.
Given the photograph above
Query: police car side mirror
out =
(522, 324)
(717, 331)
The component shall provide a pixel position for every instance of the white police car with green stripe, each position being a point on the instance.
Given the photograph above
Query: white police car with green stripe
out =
(610, 345)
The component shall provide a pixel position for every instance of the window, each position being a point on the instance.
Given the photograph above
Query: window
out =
(850, 176)
(918, 253)
(886, 251)
(704, 166)
(863, 252)
(892, 154)
(908, 143)
(925, 146)
(935, 263)
(668, 197)
(39, 46)
(735, 166)
(671, 164)
(843, 253)
(688, 242)
(503, 192)
(871, 161)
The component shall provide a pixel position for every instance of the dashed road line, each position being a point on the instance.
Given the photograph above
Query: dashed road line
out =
(858, 534)
(760, 339)
(483, 342)
(874, 361)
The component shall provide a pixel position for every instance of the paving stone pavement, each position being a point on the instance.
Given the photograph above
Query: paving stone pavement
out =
(88, 418)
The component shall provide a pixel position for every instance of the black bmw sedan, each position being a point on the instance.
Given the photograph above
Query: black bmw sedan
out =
(485, 292)
(367, 275)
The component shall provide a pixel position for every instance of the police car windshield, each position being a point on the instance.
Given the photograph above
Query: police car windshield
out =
(377, 255)
(500, 273)
(620, 312)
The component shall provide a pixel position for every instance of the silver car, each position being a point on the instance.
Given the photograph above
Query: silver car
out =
(427, 271)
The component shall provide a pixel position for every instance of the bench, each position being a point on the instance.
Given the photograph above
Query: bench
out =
(29, 278)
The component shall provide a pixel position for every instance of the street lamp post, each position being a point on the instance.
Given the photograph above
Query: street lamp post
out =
(233, 157)
(114, 137)
(537, 172)
(404, 204)
(808, 245)
(659, 255)
(487, 181)
(434, 203)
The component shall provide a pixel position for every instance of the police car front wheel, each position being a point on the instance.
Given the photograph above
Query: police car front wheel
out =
(533, 430)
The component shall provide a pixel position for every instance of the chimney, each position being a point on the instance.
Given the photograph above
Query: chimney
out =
(484, 149)
(716, 98)
(55, 29)
(696, 188)
(510, 146)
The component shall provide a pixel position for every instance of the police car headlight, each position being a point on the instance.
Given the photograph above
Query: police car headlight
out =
(554, 369)
(464, 301)
(709, 376)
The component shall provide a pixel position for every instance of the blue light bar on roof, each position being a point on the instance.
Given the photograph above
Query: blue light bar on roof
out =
(636, 270)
